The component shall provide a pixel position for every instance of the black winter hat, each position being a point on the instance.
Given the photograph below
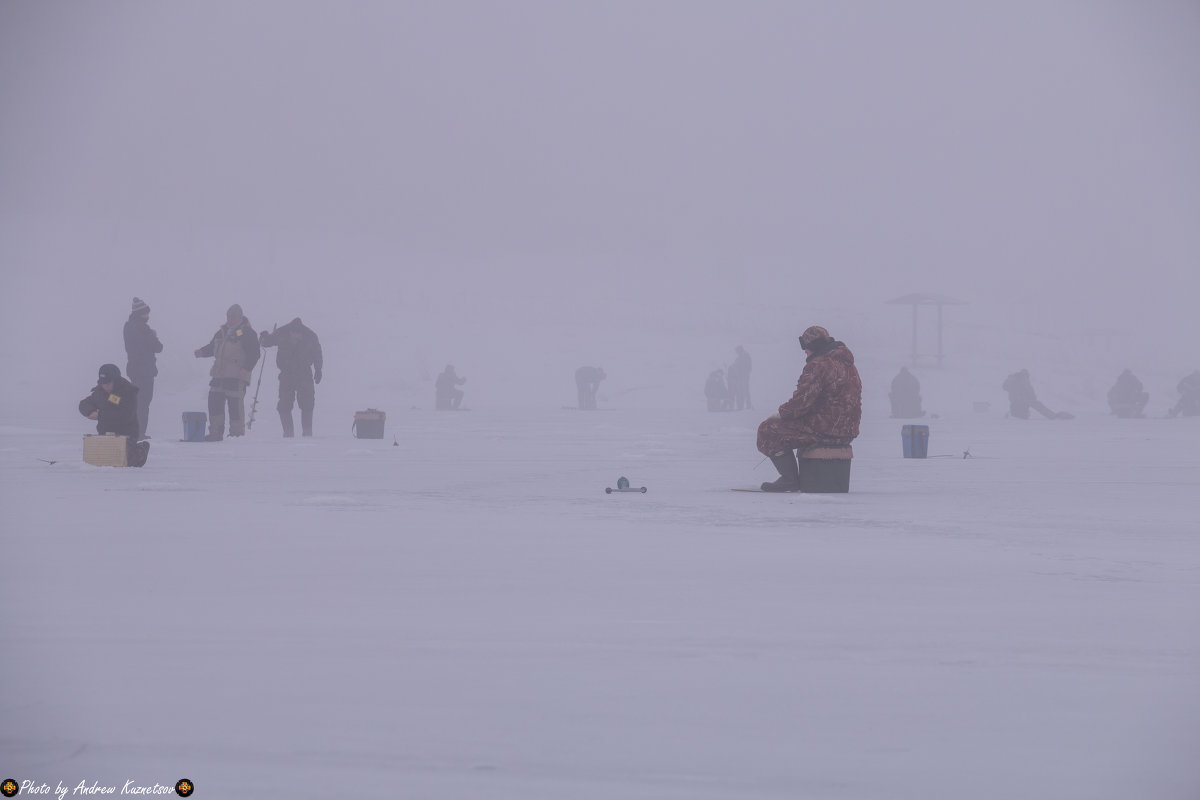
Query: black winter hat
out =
(108, 373)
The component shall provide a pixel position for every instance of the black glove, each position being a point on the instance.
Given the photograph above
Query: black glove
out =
(262, 339)
(317, 375)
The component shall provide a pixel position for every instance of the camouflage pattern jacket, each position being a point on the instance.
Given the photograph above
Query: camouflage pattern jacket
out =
(828, 397)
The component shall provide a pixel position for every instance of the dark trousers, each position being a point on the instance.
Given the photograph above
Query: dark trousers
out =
(296, 388)
(145, 385)
(448, 400)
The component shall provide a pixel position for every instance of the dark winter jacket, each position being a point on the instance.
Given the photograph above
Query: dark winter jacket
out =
(118, 408)
(828, 397)
(714, 387)
(739, 370)
(1020, 388)
(141, 344)
(905, 384)
(1127, 390)
(446, 381)
(589, 376)
(295, 359)
(235, 349)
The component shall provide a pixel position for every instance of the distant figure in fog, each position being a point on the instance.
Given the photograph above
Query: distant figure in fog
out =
(739, 379)
(1021, 398)
(587, 381)
(1126, 398)
(717, 393)
(1189, 396)
(141, 347)
(446, 394)
(906, 395)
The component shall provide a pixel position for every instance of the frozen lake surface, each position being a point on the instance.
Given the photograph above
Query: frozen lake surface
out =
(469, 615)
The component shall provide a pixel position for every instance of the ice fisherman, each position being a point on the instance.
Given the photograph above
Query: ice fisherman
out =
(235, 350)
(1189, 396)
(1126, 398)
(825, 409)
(717, 392)
(906, 396)
(300, 362)
(446, 394)
(739, 379)
(141, 347)
(587, 382)
(113, 404)
(1021, 398)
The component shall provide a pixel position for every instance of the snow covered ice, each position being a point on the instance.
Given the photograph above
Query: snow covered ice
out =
(469, 615)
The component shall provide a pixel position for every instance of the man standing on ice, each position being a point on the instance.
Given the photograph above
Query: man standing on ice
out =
(587, 382)
(234, 348)
(739, 379)
(300, 361)
(141, 346)
(825, 409)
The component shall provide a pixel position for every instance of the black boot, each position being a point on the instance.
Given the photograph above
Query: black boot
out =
(789, 474)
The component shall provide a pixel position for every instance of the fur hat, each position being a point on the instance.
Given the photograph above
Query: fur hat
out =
(140, 307)
(814, 333)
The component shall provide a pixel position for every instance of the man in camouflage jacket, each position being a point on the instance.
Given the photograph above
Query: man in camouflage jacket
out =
(825, 409)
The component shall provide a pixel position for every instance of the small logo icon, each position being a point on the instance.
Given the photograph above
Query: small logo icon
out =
(9, 788)
(184, 787)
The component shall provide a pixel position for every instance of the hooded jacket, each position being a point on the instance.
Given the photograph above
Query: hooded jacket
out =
(828, 396)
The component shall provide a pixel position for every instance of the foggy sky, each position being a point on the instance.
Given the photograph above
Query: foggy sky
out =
(575, 165)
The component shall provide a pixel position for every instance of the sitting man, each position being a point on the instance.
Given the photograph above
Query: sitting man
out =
(906, 395)
(718, 394)
(446, 394)
(1189, 396)
(1021, 398)
(825, 409)
(113, 404)
(1126, 398)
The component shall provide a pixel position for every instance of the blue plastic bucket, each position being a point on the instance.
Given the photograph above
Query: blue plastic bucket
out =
(916, 441)
(193, 426)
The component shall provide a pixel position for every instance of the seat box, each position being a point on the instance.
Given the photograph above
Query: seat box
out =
(106, 450)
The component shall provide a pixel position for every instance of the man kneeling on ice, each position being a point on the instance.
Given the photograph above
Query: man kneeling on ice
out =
(824, 410)
(113, 404)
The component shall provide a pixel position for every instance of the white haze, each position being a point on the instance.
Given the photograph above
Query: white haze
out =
(522, 188)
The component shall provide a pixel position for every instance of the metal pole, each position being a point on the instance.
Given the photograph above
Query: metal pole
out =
(914, 336)
(939, 335)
